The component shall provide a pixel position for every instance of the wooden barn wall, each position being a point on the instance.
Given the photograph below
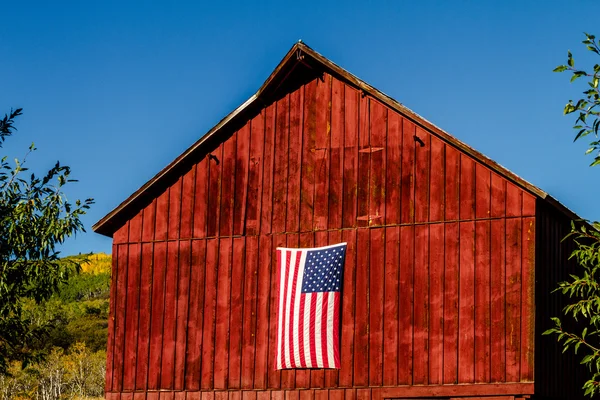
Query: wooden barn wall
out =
(438, 281)
(557, 375)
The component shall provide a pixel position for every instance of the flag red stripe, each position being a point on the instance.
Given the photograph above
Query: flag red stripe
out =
(313, 327)
(301, 333)
(324, 351)
(291, 314)
(336, 329)
(288, 256)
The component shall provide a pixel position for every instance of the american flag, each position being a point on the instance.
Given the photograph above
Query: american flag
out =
(310, 283)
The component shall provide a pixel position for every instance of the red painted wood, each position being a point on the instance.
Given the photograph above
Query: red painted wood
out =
(482, 192)
(513, 297)
(378, 133)
(208, 395)
(307, 183)
(528, 205)
(215, 164)
(322, 132)
(361, 329)
(364, 162)
(282, 132)
(110, 346)
(407, 194)
(157, 316)
(436, 302)
(336, 156)
(304, 240)
(238, 266)
(317, 376)
(183, 299)
(376, 305)
(307, 394)
(120, 315)
(135, 228)
(149, 222)
(235, 395)
(249, 312)
(274, 377)
(437, 171)
(498, 196)
(349, 204)
(514, 197)
(126, 396)
(466, 317)
(497, 303)
(193, 396)
(321, 395)
(228, 186)
(187, 203)
(452, 189)
(210, 307)
(242, 156)
(121, 235)
(263, 311)
(179, 396)
(422, 165)
(200, 211)
(132, 309)
(421, 302)
(527, 297)
(255, 174)
(482, 299)
(268, 168)
(162, 216)
(407, 267)
(332, 376)
(390, 310)
(195, 315)
(139, 396)
(467, 188)
(222, 326)
(336, 394)
(348, 310)
(249, 395)
(175, 209)
(294, 161)
(166, 396)
(451, 288)
(167, 368)
(393, 169)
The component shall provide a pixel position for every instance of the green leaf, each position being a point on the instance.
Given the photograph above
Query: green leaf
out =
(560, 68)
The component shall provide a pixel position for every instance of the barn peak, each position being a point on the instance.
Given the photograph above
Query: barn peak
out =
(300, 65)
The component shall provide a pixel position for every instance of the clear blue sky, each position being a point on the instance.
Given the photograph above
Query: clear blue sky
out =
(117, 90)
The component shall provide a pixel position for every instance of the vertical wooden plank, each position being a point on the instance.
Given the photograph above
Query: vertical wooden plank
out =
(364, 162)
(121, 235)
(323, 128)
(437, 200)
(294, 161)
(148, 222)
(407, 199)
(268, 168)
(527, 298)
(421, 302)
(237, 267)
(390, 311)
(348, 310)
(498, 196)
(210, 307)
(332, 376)
(255, 174)
(406, 290)
(466, 326)
(127, 396)
(513, 297)
(183, 299)
(336, 156)
(307, 395)
(263, 395)
(498, 284)
(179, 395)
(274, 376)
(482, 192)
(143, 347)
(321, 395)
(249, 313)
(166, 396)
(422, 165)
(292, 395)
(195, 316)
(304, 240)
(263, 312)
(514, 197)
(222, 327)
(436, 302)
(235, 395)
(241, 179)
(120, 318)
(482, 298)
(452, 179)
(280, 174)
(228, 186)
(249, 395)
(215, 164)
(175, 209)
(187, 203)
(361, 328)
(162, 216)
(528, 205)
(467, 187)
(277, 395)
(349, 205)
(167, 370)
(135, 228)
(139, 396)
(378, 135)
(208, 395)
(451, 282)
(336, 394)
(201, 198)
(110, 346)
(307, 183)
(393, 169)
(193, 396)
(376, 303)
(157, 315)
(152, 396)
(363, 394)
(132, 313)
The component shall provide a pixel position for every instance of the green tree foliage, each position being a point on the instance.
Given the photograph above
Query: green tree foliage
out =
(35, 217)
(582, 312)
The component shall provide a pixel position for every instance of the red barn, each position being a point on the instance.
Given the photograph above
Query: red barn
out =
(450, 264)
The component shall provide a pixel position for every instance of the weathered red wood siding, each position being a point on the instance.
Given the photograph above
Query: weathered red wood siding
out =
(439, 278)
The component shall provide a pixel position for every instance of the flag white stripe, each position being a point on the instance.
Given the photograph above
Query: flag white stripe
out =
(330, 310)
(288, 310)
(318, 330)
(297, 300)
(307, 300)
(282, 269)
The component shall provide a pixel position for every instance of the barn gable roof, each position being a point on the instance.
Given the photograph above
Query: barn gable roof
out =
(299, 58)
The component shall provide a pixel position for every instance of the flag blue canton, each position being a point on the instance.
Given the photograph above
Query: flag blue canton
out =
(323, 270)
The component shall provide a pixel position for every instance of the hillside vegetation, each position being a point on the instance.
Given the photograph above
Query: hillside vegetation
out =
(74, 348)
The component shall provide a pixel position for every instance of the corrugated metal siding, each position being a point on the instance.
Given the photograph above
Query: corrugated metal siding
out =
(439, 278)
